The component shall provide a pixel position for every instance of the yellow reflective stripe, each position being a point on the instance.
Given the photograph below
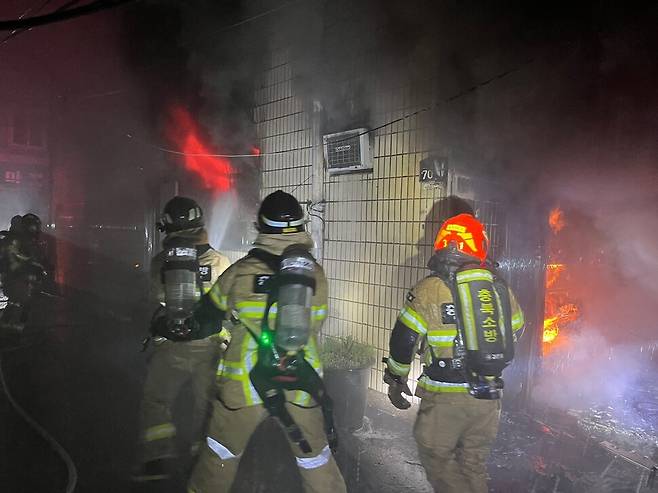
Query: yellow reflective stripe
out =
(224, 334)
(410, 318)
(250, 304)
(441, 337)
(251, 309)
(302, 398)
(441, 341)
(319, 312)
(433, 386)
(311, 355)
(218, 300)
(518, 321)
(467, 312)
(398, 368)
(230, 369)
(249, 357)
(501, 317)
(474, 275)
(159, 432)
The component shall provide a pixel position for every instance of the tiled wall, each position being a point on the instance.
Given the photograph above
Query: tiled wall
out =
(284, 130)
(379, 226)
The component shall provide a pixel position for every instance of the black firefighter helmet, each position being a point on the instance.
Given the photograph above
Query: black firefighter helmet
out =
(31, 224)
(16, 223)
(280, 213)
(179, 214)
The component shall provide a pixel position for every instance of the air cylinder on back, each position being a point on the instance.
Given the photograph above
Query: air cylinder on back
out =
(296, 285)
(181, 284)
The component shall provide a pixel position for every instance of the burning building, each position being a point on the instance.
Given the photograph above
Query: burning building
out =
(559, 310)
(383, 118)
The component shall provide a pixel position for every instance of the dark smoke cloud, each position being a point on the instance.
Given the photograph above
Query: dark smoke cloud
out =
(192, 54)
(571, 123)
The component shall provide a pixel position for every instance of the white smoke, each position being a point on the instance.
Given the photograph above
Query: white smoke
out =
(611, 355)
(224, 208)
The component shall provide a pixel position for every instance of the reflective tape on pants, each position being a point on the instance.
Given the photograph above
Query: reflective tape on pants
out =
(219, 449)
(314, 462)
(159, 432)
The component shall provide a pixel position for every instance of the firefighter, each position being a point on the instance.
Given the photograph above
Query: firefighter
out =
(443, 315)
(175, 363)
(241, 295)
(24, 268)
(7, 238)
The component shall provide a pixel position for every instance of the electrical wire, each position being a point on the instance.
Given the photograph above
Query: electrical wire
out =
(16, 32)
(193, 154)
(60, 15)
(63, 454)
(302, 183)
(257, 16)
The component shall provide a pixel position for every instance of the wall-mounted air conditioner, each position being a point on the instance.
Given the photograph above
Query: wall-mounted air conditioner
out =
(348, 152)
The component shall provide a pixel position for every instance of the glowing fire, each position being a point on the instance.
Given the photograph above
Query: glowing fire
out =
(553, 272)
(558, 310)
(216, 172)
(556, 220)
(566, 313)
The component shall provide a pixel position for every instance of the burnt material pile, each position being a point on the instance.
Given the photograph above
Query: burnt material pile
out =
(573, 452)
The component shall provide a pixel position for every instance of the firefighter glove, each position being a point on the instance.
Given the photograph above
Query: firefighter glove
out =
(396, 387)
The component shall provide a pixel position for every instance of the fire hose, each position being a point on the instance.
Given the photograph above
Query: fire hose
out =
(55, 445)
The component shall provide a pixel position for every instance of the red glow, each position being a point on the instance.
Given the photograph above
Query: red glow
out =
(556, 220)
(216, 172)
(255, 151)
(559, 309)
(553, 272)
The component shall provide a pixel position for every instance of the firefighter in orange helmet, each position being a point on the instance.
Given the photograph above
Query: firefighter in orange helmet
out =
(463, 318)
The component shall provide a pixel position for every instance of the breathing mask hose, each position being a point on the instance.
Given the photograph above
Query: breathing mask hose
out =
(61, 452)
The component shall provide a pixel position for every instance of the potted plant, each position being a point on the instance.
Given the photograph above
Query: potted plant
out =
(346, 374)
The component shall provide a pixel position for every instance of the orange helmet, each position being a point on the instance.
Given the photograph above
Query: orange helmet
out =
(467, 233)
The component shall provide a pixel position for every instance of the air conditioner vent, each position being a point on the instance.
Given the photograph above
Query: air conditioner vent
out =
(348, 152)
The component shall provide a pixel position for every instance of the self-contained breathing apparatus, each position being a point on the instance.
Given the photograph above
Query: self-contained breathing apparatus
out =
(481, 310)
(182, 290)
(281, 364)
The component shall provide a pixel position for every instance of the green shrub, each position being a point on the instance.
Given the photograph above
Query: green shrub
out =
(344, 353)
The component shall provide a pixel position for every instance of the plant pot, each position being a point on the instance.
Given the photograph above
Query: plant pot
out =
(348, 389)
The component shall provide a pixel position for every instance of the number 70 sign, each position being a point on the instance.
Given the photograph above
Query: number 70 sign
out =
(434, 170)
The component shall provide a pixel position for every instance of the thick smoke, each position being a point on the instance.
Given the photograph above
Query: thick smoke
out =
(609, 357)
(192, 55)
(565, 121)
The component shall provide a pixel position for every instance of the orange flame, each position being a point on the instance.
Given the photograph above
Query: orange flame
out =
(558, 311)
(556, 220)
(565, 314)
(216, 172)
(553, 272)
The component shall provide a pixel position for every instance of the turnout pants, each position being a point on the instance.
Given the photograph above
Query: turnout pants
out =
(229, 432)
(172, 366)
(454, 433)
